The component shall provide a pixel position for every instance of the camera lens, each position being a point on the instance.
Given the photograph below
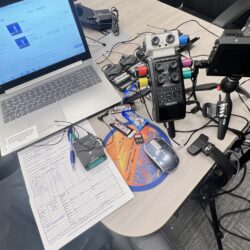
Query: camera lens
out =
(170, 38)
(155, 40)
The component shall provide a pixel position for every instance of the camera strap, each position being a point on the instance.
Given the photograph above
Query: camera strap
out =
(209, 149)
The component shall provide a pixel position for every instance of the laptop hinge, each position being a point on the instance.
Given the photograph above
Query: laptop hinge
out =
(42, 78)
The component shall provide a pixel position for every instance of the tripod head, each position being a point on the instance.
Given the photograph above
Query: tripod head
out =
(223, 108)
(229, 84)
(230, 58)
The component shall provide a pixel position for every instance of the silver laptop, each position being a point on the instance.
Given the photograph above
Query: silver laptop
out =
(46, 72)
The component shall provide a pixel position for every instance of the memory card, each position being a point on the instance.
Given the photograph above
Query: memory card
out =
(138, 139)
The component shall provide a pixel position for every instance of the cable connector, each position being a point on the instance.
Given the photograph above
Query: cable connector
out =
(190, 102)
(201, 64)
(195, 109)
(100, 118)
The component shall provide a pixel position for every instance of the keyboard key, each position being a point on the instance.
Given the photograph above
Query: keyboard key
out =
(6, 120)
(50, 92)
(12, 118)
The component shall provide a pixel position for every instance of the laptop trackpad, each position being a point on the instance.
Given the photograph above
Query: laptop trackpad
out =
(45, 119)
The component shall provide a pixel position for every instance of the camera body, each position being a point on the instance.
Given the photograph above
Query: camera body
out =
(165, 71)
(230, 55)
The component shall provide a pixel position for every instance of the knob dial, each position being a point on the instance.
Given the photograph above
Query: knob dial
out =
(162, 78)
(159, 66)
(174, 77)
(173, 64)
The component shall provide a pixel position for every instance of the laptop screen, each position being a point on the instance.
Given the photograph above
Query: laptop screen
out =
(36, 34)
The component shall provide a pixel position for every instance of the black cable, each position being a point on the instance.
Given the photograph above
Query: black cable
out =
(235, 187)
(241, 96)
(124, 42)
(194, 56)
(233, 213)
(116, 52)
(191, 135)
(243, 102)
(206, 125)
(138, 44)
(159, 28)
(244, 82)
(145, 104)
(194, 130)
(177, 143)
(95, 40)
(103, 146)
(192, 20)
(143, 101)
(115, 21)
(101, 118)
(207, 217)
(51, 144)
(107, 58)
(194, 84)
(240, 116)
(200, 55)
(96, 137)
(239, 196)
(189, 138)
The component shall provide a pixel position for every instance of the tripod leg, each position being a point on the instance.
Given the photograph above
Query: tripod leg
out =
(243, 92)
(170, 128)
(245, 157)
(217, 232)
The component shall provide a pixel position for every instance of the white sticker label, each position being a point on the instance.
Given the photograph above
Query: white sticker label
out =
(155, 144)
(20, 139)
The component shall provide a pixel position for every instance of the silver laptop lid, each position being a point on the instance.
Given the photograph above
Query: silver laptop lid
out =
(38, 37)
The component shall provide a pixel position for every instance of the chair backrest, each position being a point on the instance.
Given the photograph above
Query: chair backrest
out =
(174, 3)
(8, 165)
(208, 8)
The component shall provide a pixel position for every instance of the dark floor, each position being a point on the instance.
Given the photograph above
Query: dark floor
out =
(191, 230)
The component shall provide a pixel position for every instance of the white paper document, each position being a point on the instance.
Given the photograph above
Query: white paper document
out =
(67, 200)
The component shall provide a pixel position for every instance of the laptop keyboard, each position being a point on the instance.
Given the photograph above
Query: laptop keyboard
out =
(50, 92)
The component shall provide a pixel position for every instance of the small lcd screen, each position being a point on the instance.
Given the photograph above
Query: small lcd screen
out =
(234, 62)
(36, 34)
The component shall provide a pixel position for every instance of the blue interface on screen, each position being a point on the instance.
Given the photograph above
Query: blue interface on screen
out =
(34, 35)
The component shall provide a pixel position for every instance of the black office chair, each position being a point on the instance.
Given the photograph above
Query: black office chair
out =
(223, 13)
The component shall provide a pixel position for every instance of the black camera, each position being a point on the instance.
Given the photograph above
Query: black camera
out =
(230, 55)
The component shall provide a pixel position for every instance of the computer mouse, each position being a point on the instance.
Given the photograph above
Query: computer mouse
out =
(162, 154)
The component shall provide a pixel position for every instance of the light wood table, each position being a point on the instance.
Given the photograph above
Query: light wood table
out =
(151, 209)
